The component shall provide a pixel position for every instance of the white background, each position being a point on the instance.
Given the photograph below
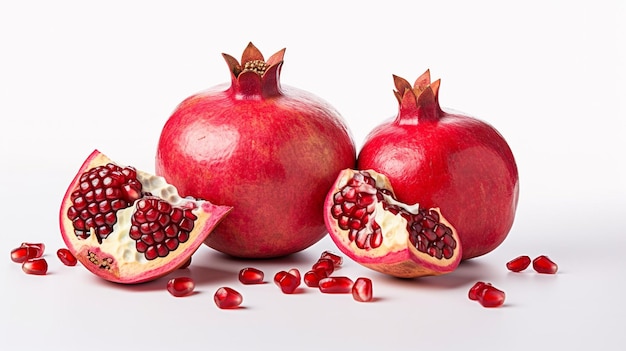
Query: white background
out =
(549, 75)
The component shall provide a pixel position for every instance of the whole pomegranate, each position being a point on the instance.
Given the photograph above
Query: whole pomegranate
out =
(447, 160)
(268, 150)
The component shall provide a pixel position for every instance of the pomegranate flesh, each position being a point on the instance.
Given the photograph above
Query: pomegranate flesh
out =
(35, 266)
(368, 224)
(181, 286)
(362, 290)
(227, 298)
(269, 150)
(66, 257)
(448, 160)
(543, 264)
(518, 264)
(129, 226)
(23, 253)
(250, 275)
(336, 285)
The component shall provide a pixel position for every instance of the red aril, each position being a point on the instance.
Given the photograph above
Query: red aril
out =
(312, 278)
(447, 160)
(36, 266)
(336, 285)
(337, 260)
(287, 282)
(476, 290)
(250, 275)
(518, 264)
(326, 264)
(269, 150)
(227, 298)
(129, 226)
(23, 253)
(543, 264)
(362, 290)
(39, 246)
(490, 296)
(181, 286)
(296, 273)
(66, 257)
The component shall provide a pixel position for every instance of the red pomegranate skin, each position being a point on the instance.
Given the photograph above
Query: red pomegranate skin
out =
(448, 160)
(270, 151)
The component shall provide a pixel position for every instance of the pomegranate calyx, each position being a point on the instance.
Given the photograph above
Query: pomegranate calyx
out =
(417, 102)
(253, 76)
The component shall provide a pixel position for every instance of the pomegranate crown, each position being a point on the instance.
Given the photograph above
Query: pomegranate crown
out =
(255, 75)
(422, 95)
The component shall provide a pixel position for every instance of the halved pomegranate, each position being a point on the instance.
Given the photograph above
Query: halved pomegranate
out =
(369, 225)
(129, 226)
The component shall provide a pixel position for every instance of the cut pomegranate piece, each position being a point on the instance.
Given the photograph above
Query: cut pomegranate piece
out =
(337, 260)
(130, 226)
(181, 286)
(367, 223)
(312, 278)
(66, 257)
(490, 296)
(336, 285)
(287, 282)
(36, 266)
(543, 264)
(23, 253)
(251, 275)
(362, 290)
(518, 264)
(325, 264)
(227, 298)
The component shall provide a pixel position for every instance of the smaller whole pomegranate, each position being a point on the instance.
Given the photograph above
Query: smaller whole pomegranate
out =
(268, 150)
(448, 160)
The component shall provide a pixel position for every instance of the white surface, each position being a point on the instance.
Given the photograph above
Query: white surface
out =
(548, 74)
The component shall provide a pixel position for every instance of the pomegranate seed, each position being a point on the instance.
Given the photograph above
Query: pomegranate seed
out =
(476, 290)
(336, 285)
(337, 260)
(181, 286)
(312, 278)
(66, 257)
(226, 297)
(491, 296)
(287, 282)
(296, 273)
(36, 266)
(23, 253)
(39, 246)
(545, 265)
(251, 275)
(362, 290)
(518, 264)
(325, 264)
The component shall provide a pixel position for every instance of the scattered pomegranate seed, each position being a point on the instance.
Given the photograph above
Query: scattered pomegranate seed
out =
(181, 286)
(545, 265)
(66, 257)
(518, 264)
(23, 253)
(325, 264)
(336, 285)
(251, 275)
(362, 290)
(337, 260)
(312, 278)
(186, 264)
(491, 296)
(36, 266)
(226, 298)
(39, 246)
(296, 273)
(287, 282)
(476, 289)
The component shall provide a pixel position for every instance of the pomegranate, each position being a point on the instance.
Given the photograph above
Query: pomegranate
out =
(486, 294)
(250, 275)
(35, 266)
(368, 224)
(448, 160)
(362, 290)
(181, 286)
(288, 282)
(23, 253)
(128, 226)
(66, 257)
(269, 150)
(335, 285)
(312, 277)
(518, 264)
(227, 298)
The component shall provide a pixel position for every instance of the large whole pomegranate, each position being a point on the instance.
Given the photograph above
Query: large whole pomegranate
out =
(447, 160)
(269, 150)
